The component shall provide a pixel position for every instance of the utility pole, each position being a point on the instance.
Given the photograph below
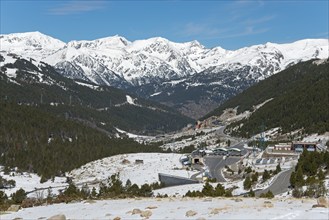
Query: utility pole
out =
(253, 145)
(70, 100)
(41, 98)
(262, 137)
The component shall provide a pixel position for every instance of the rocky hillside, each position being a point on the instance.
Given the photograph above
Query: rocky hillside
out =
(34, 83)
(296, 98)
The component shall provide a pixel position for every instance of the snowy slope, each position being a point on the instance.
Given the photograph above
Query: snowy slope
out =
(96, 171)
(271, 58)
(177, 208)
(32, 69)
(31, 44)
(147, 172)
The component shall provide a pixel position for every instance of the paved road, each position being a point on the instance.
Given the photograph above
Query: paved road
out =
(217, 163)
(279, 185)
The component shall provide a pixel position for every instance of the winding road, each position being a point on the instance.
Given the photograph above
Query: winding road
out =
(279, 185)
(217, 163)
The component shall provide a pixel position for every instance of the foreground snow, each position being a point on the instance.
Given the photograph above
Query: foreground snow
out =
(176, 208)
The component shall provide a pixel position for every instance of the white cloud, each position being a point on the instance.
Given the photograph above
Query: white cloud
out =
(246, 32)
(75, 7)
(208, 31)
(236, 19)
(258, 20)
(194, 29)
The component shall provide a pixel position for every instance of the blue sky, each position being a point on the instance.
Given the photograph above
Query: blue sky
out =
(229, 24)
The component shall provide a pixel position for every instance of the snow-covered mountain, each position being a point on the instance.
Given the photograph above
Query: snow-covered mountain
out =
(31, 44)
(158, 68)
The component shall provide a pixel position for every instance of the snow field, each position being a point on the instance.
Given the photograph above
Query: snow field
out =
(94, 172)
(31, 181)
(125, 164)
(177, 208)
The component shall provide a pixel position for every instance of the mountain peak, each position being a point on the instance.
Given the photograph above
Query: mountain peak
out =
(113, 41)
(195, 43)
(158, 39)
(34, 35)
(30, 44)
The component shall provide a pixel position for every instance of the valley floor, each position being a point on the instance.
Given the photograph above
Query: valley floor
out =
(179, 208)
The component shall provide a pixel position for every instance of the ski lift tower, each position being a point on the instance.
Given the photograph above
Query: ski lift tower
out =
(262, 137)
(254, 145)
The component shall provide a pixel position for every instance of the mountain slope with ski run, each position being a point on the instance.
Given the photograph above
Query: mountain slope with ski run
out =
(162, 70)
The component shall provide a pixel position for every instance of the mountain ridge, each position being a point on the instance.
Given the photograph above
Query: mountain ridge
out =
(154, 65)
(30, 82)
(161, 52)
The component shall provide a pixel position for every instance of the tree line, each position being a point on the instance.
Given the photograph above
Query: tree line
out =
(37, 141)
(310, 171)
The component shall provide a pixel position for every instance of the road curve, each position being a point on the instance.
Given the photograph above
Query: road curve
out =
(279, 185)
(217, 163)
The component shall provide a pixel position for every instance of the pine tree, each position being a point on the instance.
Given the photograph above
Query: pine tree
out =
(293, 179)
(254, 177)
(3, 198)
(321, 175)
(247, 183)
(18, 196)
(208, 189)
(251, 193)
(299, 178)
(128, 184)
(266, 175)
(93, 193)
(219, 190)
(278, 168)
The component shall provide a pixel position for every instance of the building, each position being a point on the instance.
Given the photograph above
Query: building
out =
(301, 146)
(294, 147)
(220, 151)
(234, 151)
(282, 147)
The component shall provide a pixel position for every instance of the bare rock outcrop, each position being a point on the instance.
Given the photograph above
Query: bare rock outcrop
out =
(13, 208)
(146, 214)
(190, 213)
(57, 217)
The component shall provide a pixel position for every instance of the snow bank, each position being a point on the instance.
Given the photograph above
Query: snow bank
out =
(176, 208)
(130, 100)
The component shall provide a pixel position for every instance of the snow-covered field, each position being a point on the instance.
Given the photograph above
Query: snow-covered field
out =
(31, 181)
(126, 166)
(99, 170)
(178, 208)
